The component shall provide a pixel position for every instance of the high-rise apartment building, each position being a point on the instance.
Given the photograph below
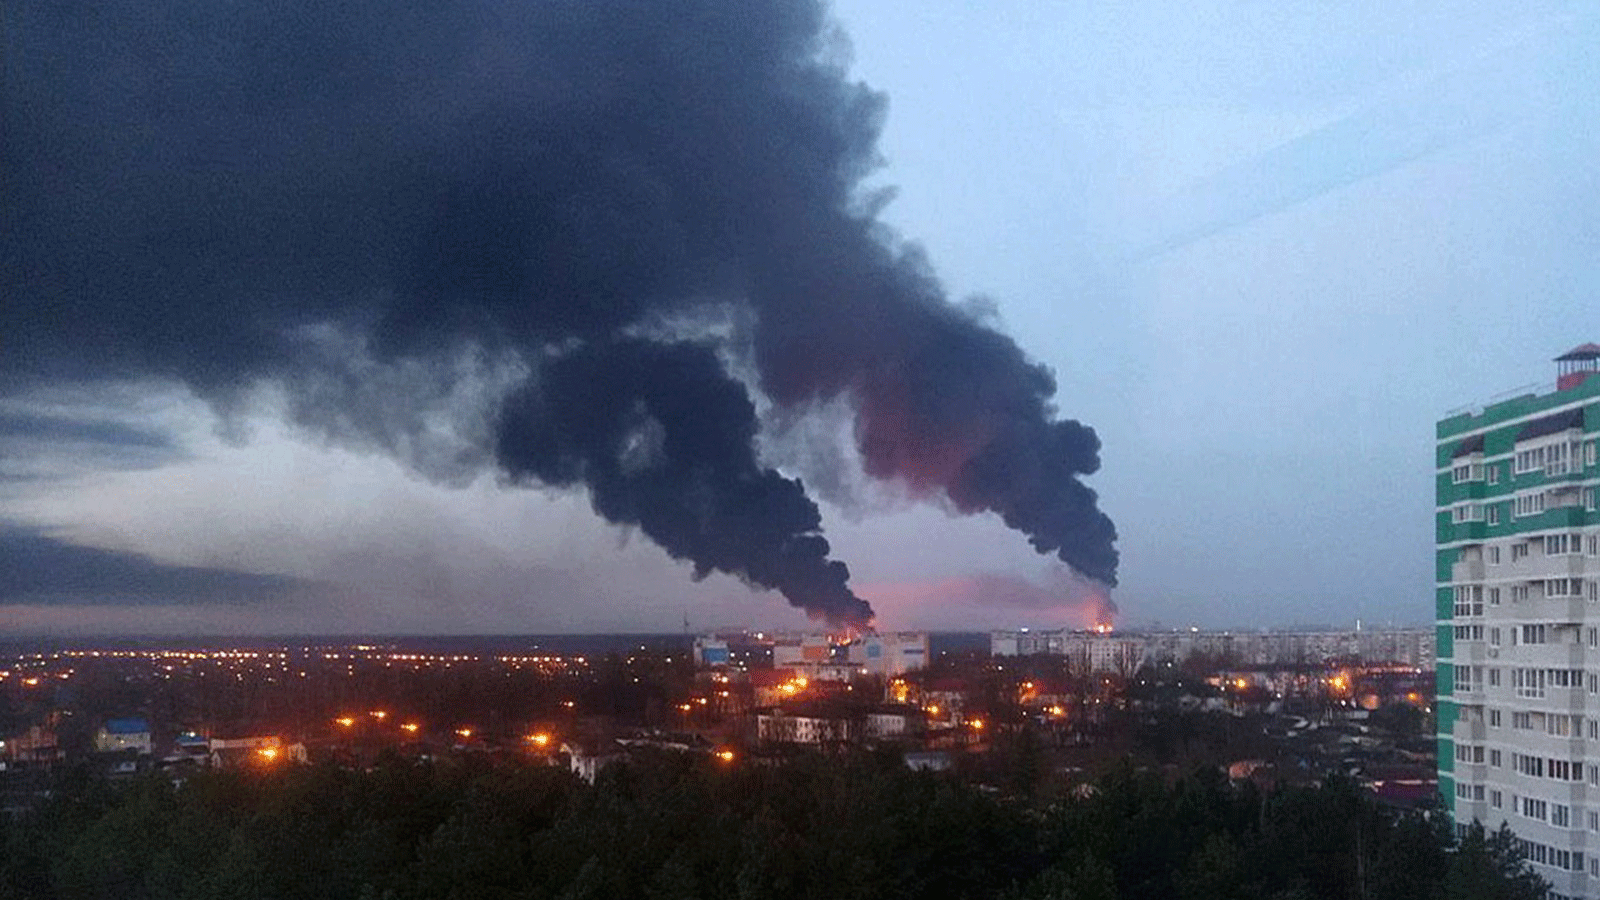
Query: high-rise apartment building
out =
(1518, 598)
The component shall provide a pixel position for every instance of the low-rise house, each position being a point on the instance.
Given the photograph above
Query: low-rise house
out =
(780, 726)
(891, 722)
(928, 761)
(36, 746)
(586, 761)
(264, 749)
(121, 735)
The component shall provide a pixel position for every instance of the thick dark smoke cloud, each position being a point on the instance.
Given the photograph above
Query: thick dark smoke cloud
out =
(221, 192)
(663, 437)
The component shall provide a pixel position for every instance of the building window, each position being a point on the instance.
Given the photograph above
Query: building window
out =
(1534, 634)
(1562, 678)
(1519, 550)
(1560, 815)
(1494, 716)
(1529, 683)
(1494, 596)
(1494, 553)
(1562, 544)
(1494, 758)
(1557, 459)
(1534, 808)
(1563, 587)
(1526, 505)
(1492, 514)
(1492, 473)
(1494, 679)
(1528, 460)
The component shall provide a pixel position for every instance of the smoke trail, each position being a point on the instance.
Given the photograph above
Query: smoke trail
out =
(472, 191)
(662, 438)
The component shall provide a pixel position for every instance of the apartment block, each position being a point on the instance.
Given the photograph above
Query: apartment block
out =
(1518, 621)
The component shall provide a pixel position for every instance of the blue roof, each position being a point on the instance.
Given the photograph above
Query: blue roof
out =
(127, 726)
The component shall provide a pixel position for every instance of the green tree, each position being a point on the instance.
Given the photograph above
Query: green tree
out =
(1489, 867)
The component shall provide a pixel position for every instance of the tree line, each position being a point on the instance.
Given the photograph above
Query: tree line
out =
(674, 827)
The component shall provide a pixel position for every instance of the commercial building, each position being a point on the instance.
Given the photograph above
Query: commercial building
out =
(890, 653)
(1518, 634)
(816, 655)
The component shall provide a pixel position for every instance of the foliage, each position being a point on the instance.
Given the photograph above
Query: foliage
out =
(673, 827)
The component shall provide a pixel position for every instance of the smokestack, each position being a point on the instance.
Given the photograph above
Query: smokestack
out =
(481, 233)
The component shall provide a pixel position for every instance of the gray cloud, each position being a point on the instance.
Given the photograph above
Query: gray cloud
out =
(41, 570)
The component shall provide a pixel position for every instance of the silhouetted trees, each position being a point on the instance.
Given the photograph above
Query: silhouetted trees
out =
(673, 827)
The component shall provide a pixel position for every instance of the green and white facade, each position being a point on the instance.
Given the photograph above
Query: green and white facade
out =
(1518, 604)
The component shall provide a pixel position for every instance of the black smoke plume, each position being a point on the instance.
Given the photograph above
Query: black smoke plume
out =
(349, 200)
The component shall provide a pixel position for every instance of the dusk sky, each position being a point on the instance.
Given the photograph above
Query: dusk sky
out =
(310, 315)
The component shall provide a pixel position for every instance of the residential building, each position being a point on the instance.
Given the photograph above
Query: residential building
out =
(120, 735)
(1518, 633)
(1122, 652)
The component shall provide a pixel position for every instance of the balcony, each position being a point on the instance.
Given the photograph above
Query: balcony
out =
(1554, 609)
(1466, 731)
(1565, 565)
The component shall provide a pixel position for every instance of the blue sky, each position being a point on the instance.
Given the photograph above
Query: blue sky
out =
(1263, 248)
